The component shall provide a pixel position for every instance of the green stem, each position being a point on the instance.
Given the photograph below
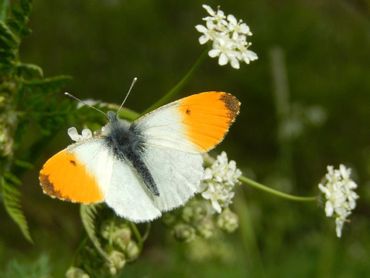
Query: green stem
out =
(179, 84)
(128, 114)
(146, 234)
(265, 188)
(137, 234)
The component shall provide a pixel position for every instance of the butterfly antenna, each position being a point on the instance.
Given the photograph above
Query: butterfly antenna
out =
(84, 103)
(128, 93)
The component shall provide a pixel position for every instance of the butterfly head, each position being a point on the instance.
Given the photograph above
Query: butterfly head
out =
(112, 116)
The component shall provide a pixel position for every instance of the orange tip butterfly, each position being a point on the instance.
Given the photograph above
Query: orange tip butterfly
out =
(147, 167)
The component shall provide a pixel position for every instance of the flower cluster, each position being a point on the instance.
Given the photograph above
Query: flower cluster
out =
(119, 244)
(123, 247)
(75, 272)
(218, 182)
(197, 220)
(338, 189)
(228, 36)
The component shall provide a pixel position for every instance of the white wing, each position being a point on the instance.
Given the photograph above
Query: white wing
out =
(174, 137)
(123, 190)
(193, 124)
(177, 175)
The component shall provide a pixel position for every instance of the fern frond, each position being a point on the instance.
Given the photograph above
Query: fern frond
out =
(20, 16)
(11, 199)
(29, 71)
(46, 85)
(88, 216)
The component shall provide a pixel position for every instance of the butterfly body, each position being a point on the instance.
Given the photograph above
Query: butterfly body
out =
(127, 144)
(149, 166)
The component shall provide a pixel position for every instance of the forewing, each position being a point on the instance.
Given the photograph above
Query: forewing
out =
(89, 173)
(193, 124)
(73, 174)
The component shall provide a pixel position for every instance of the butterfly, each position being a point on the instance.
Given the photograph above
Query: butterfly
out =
(146, 167)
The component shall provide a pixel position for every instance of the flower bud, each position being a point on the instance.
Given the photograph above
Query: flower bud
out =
(132, 250)
(117, 262)
(184, 232)
(228, 221)
(75, 272)
(205, 228)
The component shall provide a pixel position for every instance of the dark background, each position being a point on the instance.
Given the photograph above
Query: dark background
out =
(325, 46)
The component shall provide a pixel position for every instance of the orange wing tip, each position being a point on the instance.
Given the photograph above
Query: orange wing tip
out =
(64, 177)
(49, 189)
(232, 104)
(207, 117)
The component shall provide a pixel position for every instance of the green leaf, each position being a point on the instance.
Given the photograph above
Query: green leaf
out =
(26, 6)
(4, 5)
(11, 199)
(29, 71)
(46, 85)
(88, 216)
(7, 36)
(19, 18)
(23, 164)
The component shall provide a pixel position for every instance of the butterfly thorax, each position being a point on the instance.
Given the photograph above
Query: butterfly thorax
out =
(128, 144)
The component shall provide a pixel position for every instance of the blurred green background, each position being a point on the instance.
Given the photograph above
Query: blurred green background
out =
(321, 48)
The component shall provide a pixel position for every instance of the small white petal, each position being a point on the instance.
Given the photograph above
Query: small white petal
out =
(223, 60)
(329, 209)
(213, 53)
(232, 19)
(209, 10)
(234, 63)
(73, 134)
(249, 56)
(203, 39)
(201, 28)
(216, 206)
(86, 133)
(244, 28)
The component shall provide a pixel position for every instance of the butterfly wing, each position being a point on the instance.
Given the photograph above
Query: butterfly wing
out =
(176, 134)
(70, 174)
(177, 175)
(193, 124)
(174, 137)
(88, 172)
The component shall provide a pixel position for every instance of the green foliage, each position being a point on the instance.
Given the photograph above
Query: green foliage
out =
(88, 217)
(23, 91)
(324, 67)
(36, 269)
(11, 198)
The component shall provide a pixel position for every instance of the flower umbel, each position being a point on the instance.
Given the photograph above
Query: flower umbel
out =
(338, 188)
(219, 181)
(228, 36)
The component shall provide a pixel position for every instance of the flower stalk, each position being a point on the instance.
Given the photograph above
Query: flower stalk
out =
(176, 89)
(280, 194)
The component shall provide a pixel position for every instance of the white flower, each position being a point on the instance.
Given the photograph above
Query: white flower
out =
(338, 189)
(219, 181)
(85, 134)
(228, 36)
